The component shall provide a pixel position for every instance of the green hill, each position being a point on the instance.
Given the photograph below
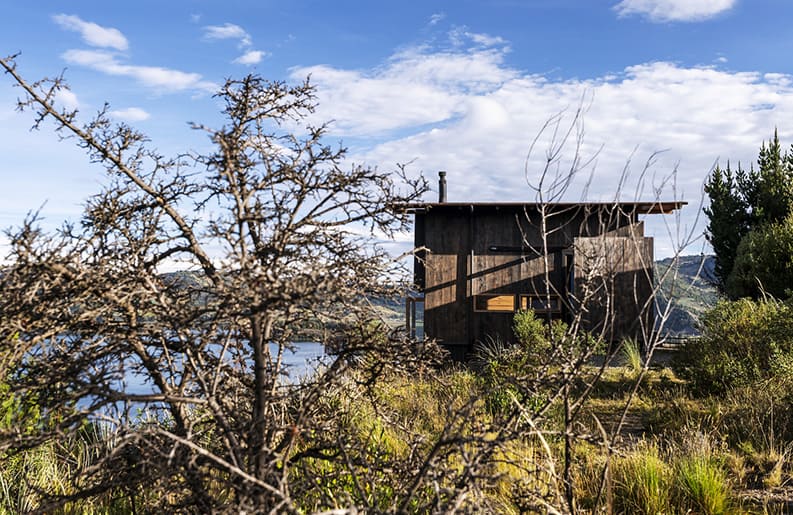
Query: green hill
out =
(688, 282)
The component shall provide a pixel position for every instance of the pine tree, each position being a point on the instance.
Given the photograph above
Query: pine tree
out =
(743, 202)
(728, 219)
(772, 194)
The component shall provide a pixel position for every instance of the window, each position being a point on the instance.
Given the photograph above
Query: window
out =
(541, 303)
(414, 317)
(502, 303)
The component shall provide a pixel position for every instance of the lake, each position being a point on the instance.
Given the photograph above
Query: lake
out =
(299, 362)
(303, 360)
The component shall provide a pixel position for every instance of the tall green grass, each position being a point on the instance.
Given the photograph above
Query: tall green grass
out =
(632, 356)
(642, 482)
(31, 478)
(701, 486)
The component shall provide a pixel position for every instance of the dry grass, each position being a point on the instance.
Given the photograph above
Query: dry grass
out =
(678, 453)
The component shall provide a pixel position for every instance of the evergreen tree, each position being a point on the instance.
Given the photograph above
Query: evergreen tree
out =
(742, 202)
(771, 193)
(727, 219)
(764, 262)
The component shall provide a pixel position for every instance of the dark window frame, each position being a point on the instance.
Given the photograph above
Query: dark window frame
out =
(526, 302)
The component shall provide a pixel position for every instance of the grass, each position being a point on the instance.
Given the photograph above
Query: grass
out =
(632, 355)
(724, 454)
(701, 486)
(679, 454)
(642, 482)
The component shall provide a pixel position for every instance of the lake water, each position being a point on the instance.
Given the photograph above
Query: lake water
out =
(299, 362)
(302, 360)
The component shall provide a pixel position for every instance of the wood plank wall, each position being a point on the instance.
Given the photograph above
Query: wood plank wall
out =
(446, 296)
(614, 279)
(460, 263)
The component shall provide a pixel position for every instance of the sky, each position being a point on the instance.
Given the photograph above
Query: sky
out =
(655, 92)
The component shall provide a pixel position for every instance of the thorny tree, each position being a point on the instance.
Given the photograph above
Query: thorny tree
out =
(214, 428)
(187, 371)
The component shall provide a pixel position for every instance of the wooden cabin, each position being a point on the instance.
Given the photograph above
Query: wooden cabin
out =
(480, 262)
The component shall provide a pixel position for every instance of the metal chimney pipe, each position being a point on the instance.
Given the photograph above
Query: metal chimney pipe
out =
(441, 187)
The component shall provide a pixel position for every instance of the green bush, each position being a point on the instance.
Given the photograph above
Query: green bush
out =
(742, 342)
(503, 366)
(532, 334)
(499, 366)
(507, 369)
(764, 262)
(536, 337)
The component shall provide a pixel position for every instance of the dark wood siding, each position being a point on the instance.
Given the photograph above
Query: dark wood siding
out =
(613, 277)
(446, 298)
(500, 250)
(419, 241)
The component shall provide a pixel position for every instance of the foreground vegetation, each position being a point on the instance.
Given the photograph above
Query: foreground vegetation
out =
(680, 453)
(683, 445)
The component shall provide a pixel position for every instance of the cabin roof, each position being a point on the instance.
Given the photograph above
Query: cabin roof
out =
(641, 208)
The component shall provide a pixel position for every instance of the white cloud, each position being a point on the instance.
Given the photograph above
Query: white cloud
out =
(228, 31)
(232, 31)
(470, 114)
(93, 34)
(461, 36)
(130, 114)
(250, 58)
(437, 18)
(67, 99)
(162, 79)
(414, 88)
(674, 10)
(225, 31)
(485, 39)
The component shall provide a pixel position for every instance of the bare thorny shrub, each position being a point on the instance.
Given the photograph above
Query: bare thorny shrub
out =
(278, 236)
(270, 225)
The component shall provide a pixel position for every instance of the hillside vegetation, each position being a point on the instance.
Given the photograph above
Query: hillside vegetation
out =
(688, 281)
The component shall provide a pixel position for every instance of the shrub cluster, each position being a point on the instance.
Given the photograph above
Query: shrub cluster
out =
(547, 343)
(742, 342)
(762, 262)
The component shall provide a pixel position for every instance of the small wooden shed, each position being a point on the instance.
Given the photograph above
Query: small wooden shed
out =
(480, 262)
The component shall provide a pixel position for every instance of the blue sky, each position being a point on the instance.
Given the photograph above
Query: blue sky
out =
(464, 86)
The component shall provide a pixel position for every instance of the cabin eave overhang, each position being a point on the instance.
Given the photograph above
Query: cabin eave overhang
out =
(639, 208)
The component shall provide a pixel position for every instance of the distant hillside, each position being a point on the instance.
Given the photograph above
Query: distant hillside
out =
(689, 284)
